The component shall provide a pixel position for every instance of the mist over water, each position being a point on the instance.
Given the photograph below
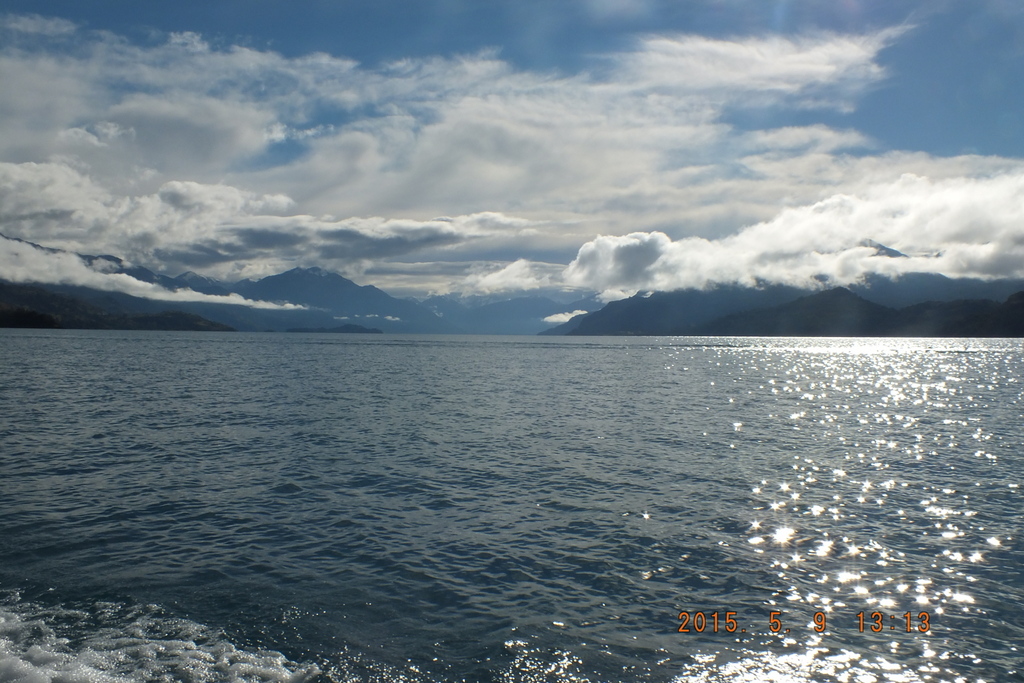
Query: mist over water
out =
(179, 506)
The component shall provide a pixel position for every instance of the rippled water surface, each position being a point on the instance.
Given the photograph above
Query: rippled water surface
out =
(202, 507)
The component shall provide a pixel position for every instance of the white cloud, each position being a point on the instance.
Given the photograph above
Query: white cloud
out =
(35, 24)
(58, 205)
(617, 263)
(221, 229)
(960, 227)
(240, 162)
(516, 276)
(490, 137)
(189, 134)
(756, 69)
(24, 263)
(803, 139)
(559, 318)
(458, 135)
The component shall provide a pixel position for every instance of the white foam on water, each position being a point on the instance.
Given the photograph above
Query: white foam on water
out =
(57, 645)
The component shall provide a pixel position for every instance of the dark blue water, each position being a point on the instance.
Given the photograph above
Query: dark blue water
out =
(207, 507)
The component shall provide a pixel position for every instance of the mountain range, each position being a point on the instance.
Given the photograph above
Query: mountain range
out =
(328, 301)
(912, 305)
(695, 311)
(839, 312)
(35, 307)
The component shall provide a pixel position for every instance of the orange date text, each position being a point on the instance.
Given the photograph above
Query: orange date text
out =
(778, 622)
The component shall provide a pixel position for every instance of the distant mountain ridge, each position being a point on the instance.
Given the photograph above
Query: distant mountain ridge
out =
(344, 300)
(839, 312)
(201, 283)
(36, 307)
(833, 313)
(674, 313)
(688, 312)
(329, 301)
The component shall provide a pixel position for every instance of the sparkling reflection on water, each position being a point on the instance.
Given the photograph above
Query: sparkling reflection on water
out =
(891, 534)
(514, 509)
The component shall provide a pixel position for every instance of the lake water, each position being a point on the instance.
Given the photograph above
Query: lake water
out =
(208, 507)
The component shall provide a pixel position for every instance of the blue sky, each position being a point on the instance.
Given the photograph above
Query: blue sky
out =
(478, 147)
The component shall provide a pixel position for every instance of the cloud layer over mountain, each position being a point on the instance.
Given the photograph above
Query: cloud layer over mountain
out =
(959, 227)
(25, 263)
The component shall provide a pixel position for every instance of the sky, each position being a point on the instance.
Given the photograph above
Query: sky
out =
(515, 146)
